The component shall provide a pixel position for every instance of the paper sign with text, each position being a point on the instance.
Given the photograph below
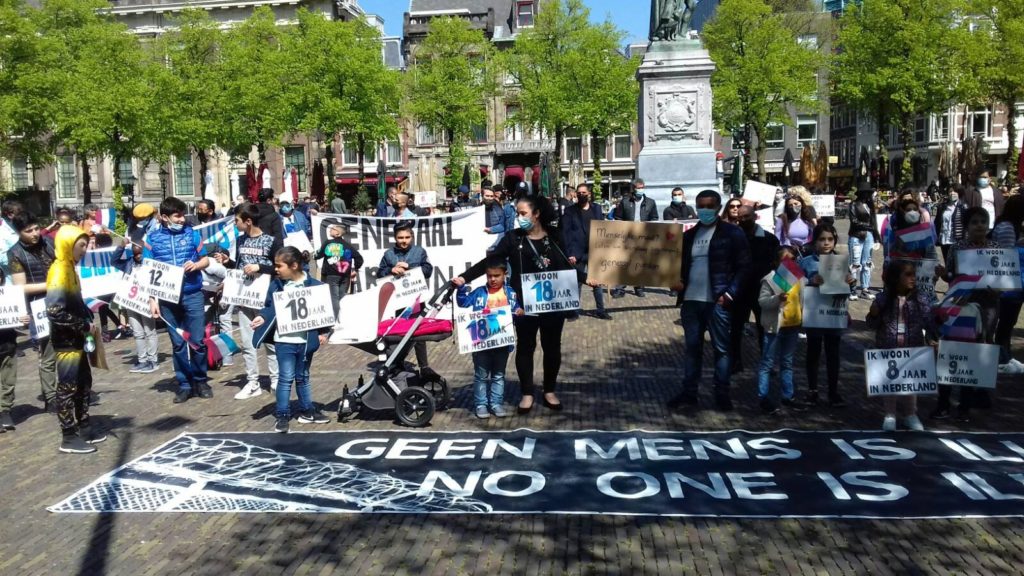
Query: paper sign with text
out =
(132, 294)
(834, 268)
(12, 306)
(162, 280)
(999, 268)
(484, 329)
(967, 364)
(925, 269)
(824, 205)
(900, 371)
(304, 309)
(40, 321)
(545, 292)
(245, 291)
(408, 287)
(824, 310)
(766, 219)
(635, 253)
(759, 192)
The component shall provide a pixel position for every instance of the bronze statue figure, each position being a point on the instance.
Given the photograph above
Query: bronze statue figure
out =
(670, 18)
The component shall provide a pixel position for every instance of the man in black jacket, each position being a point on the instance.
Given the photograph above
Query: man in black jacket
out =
(576, 236)
(635, 208)
(763, 249)
(678, 209)
(269, 221)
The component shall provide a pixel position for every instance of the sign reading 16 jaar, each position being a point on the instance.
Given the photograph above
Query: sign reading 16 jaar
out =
(550, 292)
(307, 308)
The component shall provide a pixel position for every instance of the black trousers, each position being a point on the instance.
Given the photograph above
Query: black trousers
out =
(740, 313)
(550, 328)
(816, 339)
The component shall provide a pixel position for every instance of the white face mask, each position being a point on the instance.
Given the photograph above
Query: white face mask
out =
(913, 216)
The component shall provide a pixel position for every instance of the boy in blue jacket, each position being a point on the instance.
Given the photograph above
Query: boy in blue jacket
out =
(489, 365)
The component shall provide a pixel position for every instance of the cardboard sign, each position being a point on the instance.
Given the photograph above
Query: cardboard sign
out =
(12, 306)
(98, 357)
(40, 327)
(635, 253)
(999, 268)
(426, 199)
(824, 205)
(900, 371)
(550, 292)
(408, 287)
(759, 192)
(304, 309)
(484, 329)
(824, 310)
(241, 290)
(162, 281)
(925, 270)
(299, 241)
(133, 295)
(967, 364)
(834, 268)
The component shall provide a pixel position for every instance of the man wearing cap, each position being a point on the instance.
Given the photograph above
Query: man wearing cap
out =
(144, 215)
(635, 208)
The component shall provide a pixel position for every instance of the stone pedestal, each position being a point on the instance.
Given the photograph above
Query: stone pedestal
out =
(676, 131)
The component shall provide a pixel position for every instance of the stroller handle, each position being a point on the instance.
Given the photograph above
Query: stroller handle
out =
(443, 296)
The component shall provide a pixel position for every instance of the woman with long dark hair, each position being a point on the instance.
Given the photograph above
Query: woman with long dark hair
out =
(533, 247)
(796, 224)
(863, 235)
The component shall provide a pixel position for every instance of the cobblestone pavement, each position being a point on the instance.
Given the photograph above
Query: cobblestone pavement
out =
(616, 375)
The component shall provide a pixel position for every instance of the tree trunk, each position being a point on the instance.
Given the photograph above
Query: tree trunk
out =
(329, 154)
(117, 170)
(203, 163)
(261, 150)
(86, 180)
(1013, 151)
(596, 152)
(761, 152)
(361, 144)
(555, 173)
(907, 135)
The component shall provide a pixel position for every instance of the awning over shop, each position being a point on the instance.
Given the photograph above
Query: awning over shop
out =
(369, 180)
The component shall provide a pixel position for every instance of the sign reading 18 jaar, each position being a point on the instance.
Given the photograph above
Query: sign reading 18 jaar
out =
(550, 292)
(307, 308)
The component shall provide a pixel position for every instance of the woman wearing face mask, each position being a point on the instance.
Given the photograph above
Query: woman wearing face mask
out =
(534, 247)
(986, 197)
(949, 221)
(909, 215)
(794, 226)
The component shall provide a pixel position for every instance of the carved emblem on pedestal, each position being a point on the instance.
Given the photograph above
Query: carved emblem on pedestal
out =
(677, 112)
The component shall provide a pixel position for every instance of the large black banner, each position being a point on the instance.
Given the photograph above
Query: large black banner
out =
(784, 473)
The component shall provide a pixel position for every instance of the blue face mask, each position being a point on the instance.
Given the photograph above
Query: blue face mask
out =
(982, 182)
(175, 227)
(524, 223)
(677, 199)
(286, 212)
(707, 215)
(639, 193)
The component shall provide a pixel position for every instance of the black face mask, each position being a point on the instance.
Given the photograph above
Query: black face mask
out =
(582, 199)
(792, 212)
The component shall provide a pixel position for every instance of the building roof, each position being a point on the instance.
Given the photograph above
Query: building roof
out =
(501, 7)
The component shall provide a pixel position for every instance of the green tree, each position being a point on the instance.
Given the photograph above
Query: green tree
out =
(451, 75)
(898, 59)
(762, 71)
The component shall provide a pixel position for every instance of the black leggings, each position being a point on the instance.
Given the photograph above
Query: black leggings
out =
(815, 340)
(550, 328)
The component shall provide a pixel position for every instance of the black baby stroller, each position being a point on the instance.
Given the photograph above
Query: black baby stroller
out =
(413, 395)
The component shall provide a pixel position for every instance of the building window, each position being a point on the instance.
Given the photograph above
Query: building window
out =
(513, 131)
(67, 182)
(808, 41)
(479, 133)
(21, 173)
(807, 131)
(574, 149)
(524, 14)
(125, 171)
(183, 181)
(394, 151)
(350, 154)
(295, 157)
(981, 123)
(775, 137)
(920, 129)
(623, 147)
(425, 136)
(940, 127)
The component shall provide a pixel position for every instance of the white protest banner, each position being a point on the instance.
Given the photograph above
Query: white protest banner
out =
(766, 219)
(12, 306)
(759, 192)
(245, 291)
(408, 288)
(220, 232)
(823, 310)
(967, 364)
(550, 292)
(824, 205)
(162, 280)
(307, 308)
(426, 199)
(453, 242)
(299, 241)
(925, 269)
(833, 268)
(97, 274)
(485, 329)
(900, 371)
(999, 268)
(40, 321)
(132, 294)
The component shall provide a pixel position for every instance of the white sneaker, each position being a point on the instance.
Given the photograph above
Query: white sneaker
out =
(250, 390)
(1017, 363)
(1010, 368)
(273, 384)
(854, 296)
(889, 424)
(913, 423)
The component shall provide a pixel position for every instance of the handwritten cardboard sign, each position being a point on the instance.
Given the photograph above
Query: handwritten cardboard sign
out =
(635, 253)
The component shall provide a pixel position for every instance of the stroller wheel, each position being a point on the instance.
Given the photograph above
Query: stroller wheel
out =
(438, 388)
(414, 407)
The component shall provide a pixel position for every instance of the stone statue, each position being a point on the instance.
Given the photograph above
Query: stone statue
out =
(670, 18)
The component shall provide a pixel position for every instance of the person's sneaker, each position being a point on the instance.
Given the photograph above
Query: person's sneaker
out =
(6, 422)
(963, 416)
(1009, 369)
(854, 296)
(121, 334)
(281, 425)
(939, 414)
(91, 435)
(889, 424)
(482, 413)
(811, 399)
(499, 411)
(602, 315)
(768, 408)
(228, 361)
(137, 368)
(74, 444)
(913, 423)
(683, 400)
(573, 317)
(313, 417)
(794, 404)
(867, 295)
(1017, 363)
(148, 368)
(618, 293)
(801, 336)
(250, 390)
(182, 396)
(640, 293)
(836, 401)
(50, 406)
(205, 391)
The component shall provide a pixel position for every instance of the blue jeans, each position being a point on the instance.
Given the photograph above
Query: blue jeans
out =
(189, 365)
(489, 367)
(293, 364)
(778, 349)
(860, 259)
(699, 317)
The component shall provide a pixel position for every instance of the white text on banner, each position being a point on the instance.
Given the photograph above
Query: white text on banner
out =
(900, 371)
(162, 280)
(550, 292)
(304, 309)
(485, 329)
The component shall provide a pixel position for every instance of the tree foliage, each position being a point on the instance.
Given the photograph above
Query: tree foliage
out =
(761, 70)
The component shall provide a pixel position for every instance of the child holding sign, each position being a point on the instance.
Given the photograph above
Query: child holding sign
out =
(294, 350)
(902, 318)
(779, 340)
(825, 239)
(489, 365)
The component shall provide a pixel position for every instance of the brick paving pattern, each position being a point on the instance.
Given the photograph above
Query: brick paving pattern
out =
(616, 375)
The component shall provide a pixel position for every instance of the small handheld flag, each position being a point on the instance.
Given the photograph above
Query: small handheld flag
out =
(916, 238)
(106, 217)
(788, 275)
(94, 305)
